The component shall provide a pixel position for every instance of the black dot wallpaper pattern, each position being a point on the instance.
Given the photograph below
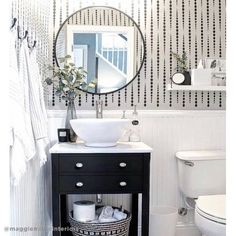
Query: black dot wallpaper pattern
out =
(197, 27)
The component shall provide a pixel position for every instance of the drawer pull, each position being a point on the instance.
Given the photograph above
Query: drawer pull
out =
(79, 184)
(123, 165)
(123, 184)
(79, 165)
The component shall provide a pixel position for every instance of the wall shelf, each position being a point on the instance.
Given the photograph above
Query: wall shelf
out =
(175, 87)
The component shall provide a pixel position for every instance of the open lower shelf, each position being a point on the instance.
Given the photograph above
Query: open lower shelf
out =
(174, 87)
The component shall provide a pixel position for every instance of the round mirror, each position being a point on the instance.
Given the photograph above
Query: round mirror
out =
(106, 43)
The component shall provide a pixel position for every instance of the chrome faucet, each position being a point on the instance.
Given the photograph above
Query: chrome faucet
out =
(99, 109)
(99, 198)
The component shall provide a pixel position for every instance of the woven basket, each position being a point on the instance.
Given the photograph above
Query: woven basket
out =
(117, 228)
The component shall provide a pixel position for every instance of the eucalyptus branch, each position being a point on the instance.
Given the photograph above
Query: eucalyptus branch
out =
(181, 61)
(68, 79)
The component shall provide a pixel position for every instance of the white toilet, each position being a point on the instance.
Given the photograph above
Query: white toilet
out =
(202, 177)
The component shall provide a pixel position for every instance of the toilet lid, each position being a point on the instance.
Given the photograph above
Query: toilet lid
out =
(212, 207)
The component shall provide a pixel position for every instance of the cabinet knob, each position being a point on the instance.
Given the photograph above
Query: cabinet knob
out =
(122, 164)
(79, 165)
(123, 184)
(79, 184)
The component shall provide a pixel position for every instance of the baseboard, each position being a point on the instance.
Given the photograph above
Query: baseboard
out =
(187, 230)
(181, 230)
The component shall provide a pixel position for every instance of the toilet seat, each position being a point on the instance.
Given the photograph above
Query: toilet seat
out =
(212, 208)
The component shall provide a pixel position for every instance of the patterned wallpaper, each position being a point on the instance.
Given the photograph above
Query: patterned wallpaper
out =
(34, 16)
(30, 200)
(195, 26)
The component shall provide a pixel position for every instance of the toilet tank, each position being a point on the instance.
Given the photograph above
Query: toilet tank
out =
(201, 172)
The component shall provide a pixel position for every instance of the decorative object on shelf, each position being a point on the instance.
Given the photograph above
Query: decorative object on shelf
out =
(63, 135)
(68, 81)
(219, 78)
(217, 64)
(182, 77)
(218, 67)
(201, 77)
(70, 115)
(178, 78)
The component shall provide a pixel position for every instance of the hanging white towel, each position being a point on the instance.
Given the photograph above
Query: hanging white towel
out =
(37, 108)
(20, 144)
(24, 65)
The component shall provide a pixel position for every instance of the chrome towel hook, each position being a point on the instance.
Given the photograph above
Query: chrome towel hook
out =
(14, 20)
(33, 45)
(18, 33)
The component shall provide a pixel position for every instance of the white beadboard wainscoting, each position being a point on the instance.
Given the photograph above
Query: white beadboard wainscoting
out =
(166, 132)
(31, 201)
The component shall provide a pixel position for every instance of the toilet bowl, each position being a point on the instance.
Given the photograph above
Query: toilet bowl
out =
(210, 215)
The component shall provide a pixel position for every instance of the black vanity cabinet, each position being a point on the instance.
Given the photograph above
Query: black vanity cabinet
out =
(80, 170)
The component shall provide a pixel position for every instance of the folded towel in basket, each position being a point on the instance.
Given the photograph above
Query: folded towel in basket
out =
(106, 214)
(119, 215)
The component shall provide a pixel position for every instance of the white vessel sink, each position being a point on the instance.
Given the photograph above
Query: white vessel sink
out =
(99, 132)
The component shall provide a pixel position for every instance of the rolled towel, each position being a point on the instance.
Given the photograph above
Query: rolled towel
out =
(119, 215)
(107, 220)
(107, 213)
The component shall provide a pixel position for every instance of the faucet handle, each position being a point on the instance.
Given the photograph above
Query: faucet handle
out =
(123, 116)
(99, 102)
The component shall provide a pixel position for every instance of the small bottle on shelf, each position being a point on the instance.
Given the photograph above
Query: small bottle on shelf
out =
(126, 134)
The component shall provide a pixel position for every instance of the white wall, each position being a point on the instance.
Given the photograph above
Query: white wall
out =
(166, 132)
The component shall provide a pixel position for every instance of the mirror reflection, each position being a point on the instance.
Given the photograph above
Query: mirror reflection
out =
(111, 53)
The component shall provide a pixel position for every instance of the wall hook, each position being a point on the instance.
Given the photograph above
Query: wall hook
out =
(34, 43)
(18, 32)
(14, 20)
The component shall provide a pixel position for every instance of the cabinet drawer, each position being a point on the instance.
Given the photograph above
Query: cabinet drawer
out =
(101, 163)
(100, 184)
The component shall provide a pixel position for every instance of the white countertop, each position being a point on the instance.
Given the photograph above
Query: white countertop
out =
(122, 147)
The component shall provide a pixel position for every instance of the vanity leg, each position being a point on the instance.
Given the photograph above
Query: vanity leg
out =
(145, 214)
(56, 214)
(134, 221)
(145, 197)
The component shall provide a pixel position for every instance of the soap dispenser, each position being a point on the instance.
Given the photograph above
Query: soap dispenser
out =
(126, 134)
(135, 127)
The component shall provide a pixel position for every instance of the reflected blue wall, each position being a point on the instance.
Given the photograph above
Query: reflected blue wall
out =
(90, 41)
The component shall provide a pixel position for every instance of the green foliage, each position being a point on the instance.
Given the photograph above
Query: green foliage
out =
(68, 79)
(182, 61)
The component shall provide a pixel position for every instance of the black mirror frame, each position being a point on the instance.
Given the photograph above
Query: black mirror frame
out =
(135, 24)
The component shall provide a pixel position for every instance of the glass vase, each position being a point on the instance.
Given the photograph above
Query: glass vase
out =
(70, 115)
